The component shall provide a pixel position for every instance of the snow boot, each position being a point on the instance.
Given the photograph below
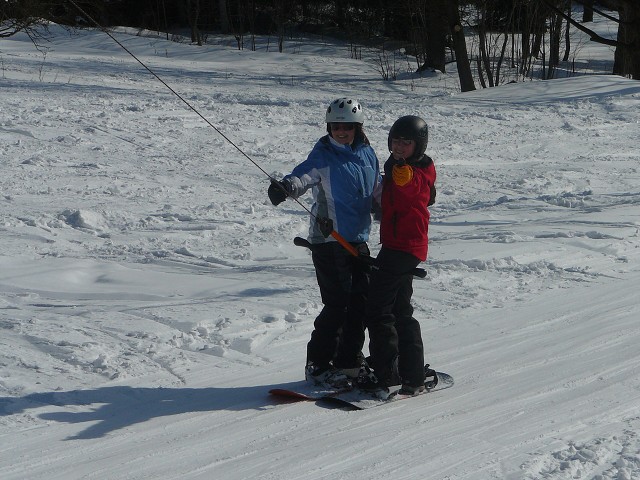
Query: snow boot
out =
(329, 376)
(368, 382)
(410, 390)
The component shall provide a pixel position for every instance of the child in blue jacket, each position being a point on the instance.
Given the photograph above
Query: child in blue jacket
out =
(342, 172)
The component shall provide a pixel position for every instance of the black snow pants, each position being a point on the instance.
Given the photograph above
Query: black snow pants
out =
(395, 339)
(338, 333)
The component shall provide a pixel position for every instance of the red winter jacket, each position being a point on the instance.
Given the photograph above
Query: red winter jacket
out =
(405, 213)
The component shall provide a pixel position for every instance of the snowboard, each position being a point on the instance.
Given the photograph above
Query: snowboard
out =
(356, 399)
(305, 390)
(353, 398)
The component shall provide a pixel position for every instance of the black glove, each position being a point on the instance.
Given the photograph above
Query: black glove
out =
(364, 257)
(279, 191)
(325, 225)
(363, 249)
(432, 196)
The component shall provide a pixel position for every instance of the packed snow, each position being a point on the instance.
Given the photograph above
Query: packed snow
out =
(150, 295)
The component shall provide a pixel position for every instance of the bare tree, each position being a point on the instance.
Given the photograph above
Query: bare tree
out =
(587, 12)
(555, 36)
(193, 15)
(26, 16)
(283, 10)
(627, 55)
(567, 35)
(437, 17)
(236, 16)
(460, 48)
(436, 25)
(223, 14)
(490, 55)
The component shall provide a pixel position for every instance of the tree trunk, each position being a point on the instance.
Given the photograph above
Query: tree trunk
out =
(501, 58)
(460, 48)
(536, 15)
(555, 34)
(437, 29)
(587, 13)
(483, 57)
(567, 35)
(282, 11)
(525, 40)
(193, 14)
(627, 56)
(225, 26)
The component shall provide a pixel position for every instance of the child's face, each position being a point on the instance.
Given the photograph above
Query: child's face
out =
(343, 133)
(401, 149)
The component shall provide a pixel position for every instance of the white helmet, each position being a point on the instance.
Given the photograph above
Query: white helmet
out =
(345, 110)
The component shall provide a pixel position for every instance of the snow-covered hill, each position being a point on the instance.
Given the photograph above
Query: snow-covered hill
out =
(150, 295)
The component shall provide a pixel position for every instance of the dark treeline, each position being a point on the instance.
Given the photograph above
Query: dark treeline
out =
(510, 35)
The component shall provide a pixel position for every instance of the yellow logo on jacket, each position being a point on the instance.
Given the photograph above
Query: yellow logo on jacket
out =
(402, 174)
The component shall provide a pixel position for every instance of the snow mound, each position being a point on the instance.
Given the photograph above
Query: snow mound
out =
(85, 220)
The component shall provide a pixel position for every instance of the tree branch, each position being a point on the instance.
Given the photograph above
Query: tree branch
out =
(602, 14)
(592, 35)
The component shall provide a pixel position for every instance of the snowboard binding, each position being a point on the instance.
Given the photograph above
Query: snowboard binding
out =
(430, 377)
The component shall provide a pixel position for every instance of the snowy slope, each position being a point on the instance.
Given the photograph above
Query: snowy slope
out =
(150, 295)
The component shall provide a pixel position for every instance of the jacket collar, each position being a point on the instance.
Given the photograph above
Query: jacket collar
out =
(421, 162)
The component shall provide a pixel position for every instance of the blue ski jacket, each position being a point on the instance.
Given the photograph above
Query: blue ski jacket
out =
(342, 179)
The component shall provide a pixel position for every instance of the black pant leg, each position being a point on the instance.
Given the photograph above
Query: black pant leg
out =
(351, 340)
(338, 329)
(410, 346)
(380, 322)
(389, 297)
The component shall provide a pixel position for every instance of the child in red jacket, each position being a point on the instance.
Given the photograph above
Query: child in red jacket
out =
(395, 339)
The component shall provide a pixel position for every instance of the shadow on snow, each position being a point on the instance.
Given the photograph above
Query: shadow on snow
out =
(113, 408)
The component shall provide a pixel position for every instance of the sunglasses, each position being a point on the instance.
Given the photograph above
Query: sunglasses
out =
(343, 126)
(401, 141)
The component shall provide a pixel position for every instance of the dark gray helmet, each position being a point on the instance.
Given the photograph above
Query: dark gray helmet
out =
(411, 127)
